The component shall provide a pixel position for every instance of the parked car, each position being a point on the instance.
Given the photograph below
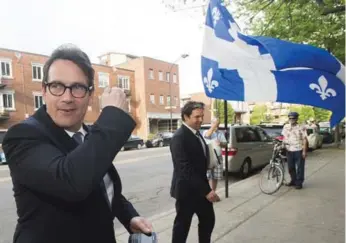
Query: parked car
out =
(159, 140)
(315, 139)
(249, 147)
(134, 142)
(328, 137)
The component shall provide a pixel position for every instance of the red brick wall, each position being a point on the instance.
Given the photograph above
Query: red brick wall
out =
(23, 86)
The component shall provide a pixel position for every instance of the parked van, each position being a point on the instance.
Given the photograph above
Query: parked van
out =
(249, 147)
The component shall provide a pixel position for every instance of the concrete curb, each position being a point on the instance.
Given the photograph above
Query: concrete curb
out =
(156, 217)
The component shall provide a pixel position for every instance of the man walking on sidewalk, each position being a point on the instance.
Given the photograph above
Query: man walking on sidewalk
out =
(218, 138)
(297, 144)
(190, 185)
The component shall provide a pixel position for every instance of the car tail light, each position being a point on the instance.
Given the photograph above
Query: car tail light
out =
(231, 152)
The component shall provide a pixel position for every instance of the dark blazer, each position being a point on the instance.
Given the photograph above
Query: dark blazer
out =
(56, 183)
(190, 165)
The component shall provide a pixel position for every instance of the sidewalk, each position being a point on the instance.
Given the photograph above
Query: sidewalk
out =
(313, 214)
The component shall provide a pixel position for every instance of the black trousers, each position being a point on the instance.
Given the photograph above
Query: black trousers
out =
(185, 209)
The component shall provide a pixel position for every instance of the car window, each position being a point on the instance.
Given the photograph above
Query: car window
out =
(263, 135)
(246, 134)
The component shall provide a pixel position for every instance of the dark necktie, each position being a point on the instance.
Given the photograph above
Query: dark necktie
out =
(199, 136)
(78, 136)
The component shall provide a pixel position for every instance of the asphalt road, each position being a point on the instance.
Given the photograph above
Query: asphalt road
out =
(146, 176)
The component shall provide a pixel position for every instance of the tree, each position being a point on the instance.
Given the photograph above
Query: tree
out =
(259, 115)
(306, 113)
(220, 113)
(321, 115)
(314, 22)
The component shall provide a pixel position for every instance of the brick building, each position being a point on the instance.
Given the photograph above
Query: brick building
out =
(201, 97)
(157, 91)
(21, 76)
(152, 88)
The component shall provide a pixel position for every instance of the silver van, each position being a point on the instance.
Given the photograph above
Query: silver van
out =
(249, 147)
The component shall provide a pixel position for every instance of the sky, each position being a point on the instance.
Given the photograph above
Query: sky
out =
(138, 27)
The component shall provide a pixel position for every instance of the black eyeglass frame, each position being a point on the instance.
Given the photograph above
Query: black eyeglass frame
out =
(86, 88)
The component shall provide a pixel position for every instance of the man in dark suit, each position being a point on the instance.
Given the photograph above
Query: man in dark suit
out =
(65, 185)
(190, 185)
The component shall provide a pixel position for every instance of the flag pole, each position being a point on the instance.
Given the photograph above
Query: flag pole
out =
(226, 148)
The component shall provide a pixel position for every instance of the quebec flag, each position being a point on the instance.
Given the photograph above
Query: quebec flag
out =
(256, 68)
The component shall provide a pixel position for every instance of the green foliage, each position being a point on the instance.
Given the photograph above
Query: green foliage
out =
(219, 107)
(259, 115)
(322, 115)
(300, 21)
(306, 113)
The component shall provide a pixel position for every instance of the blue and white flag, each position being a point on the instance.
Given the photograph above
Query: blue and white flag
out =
(256, 68)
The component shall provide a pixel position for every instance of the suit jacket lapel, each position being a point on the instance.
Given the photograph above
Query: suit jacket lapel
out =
(58, 134)
(194, 137)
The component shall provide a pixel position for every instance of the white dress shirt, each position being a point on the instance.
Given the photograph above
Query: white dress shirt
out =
(106, 179)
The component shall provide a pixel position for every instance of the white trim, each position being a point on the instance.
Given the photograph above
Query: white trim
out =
(152, 101)
(8, 92)
(9, 61)
(105, 75)
(151, 77)
(37, 65)
(175, 78)
(128, 81)
(37, 94)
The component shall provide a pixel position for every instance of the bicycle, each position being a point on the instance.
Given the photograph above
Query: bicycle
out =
(274, 172)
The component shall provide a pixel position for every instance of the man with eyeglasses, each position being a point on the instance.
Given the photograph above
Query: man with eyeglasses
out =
(295, 138)
(65, 185)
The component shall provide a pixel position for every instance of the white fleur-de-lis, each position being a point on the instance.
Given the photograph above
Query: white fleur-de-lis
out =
(322, 89)
(209, 83)
(216, 15)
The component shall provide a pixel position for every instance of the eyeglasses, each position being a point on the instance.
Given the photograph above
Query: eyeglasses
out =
(291, 118)
(77, 90)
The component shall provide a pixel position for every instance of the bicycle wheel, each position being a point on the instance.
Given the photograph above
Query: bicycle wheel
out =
(271, 179)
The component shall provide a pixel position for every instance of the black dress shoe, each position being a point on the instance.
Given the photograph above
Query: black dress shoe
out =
(291, 184)
(298, 187)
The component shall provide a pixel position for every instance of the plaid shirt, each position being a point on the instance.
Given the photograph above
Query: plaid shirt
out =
(294, 136)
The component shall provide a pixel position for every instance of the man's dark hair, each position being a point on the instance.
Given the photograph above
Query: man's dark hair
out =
(189, 107)
(73, 54)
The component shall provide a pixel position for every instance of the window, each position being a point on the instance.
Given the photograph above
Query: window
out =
(152, 99)
(174, 78)
(175, 101)
(103, 80)
(168, 100)
(38, 101)
(6, 68)
(151, 74)
(8, 101)
(161, 100)
(124, 82)
(246, 135)
(167, 77)
(264, 136)
(37, 72)
(160, 75)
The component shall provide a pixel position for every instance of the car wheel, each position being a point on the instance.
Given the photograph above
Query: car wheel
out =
(245, 169)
